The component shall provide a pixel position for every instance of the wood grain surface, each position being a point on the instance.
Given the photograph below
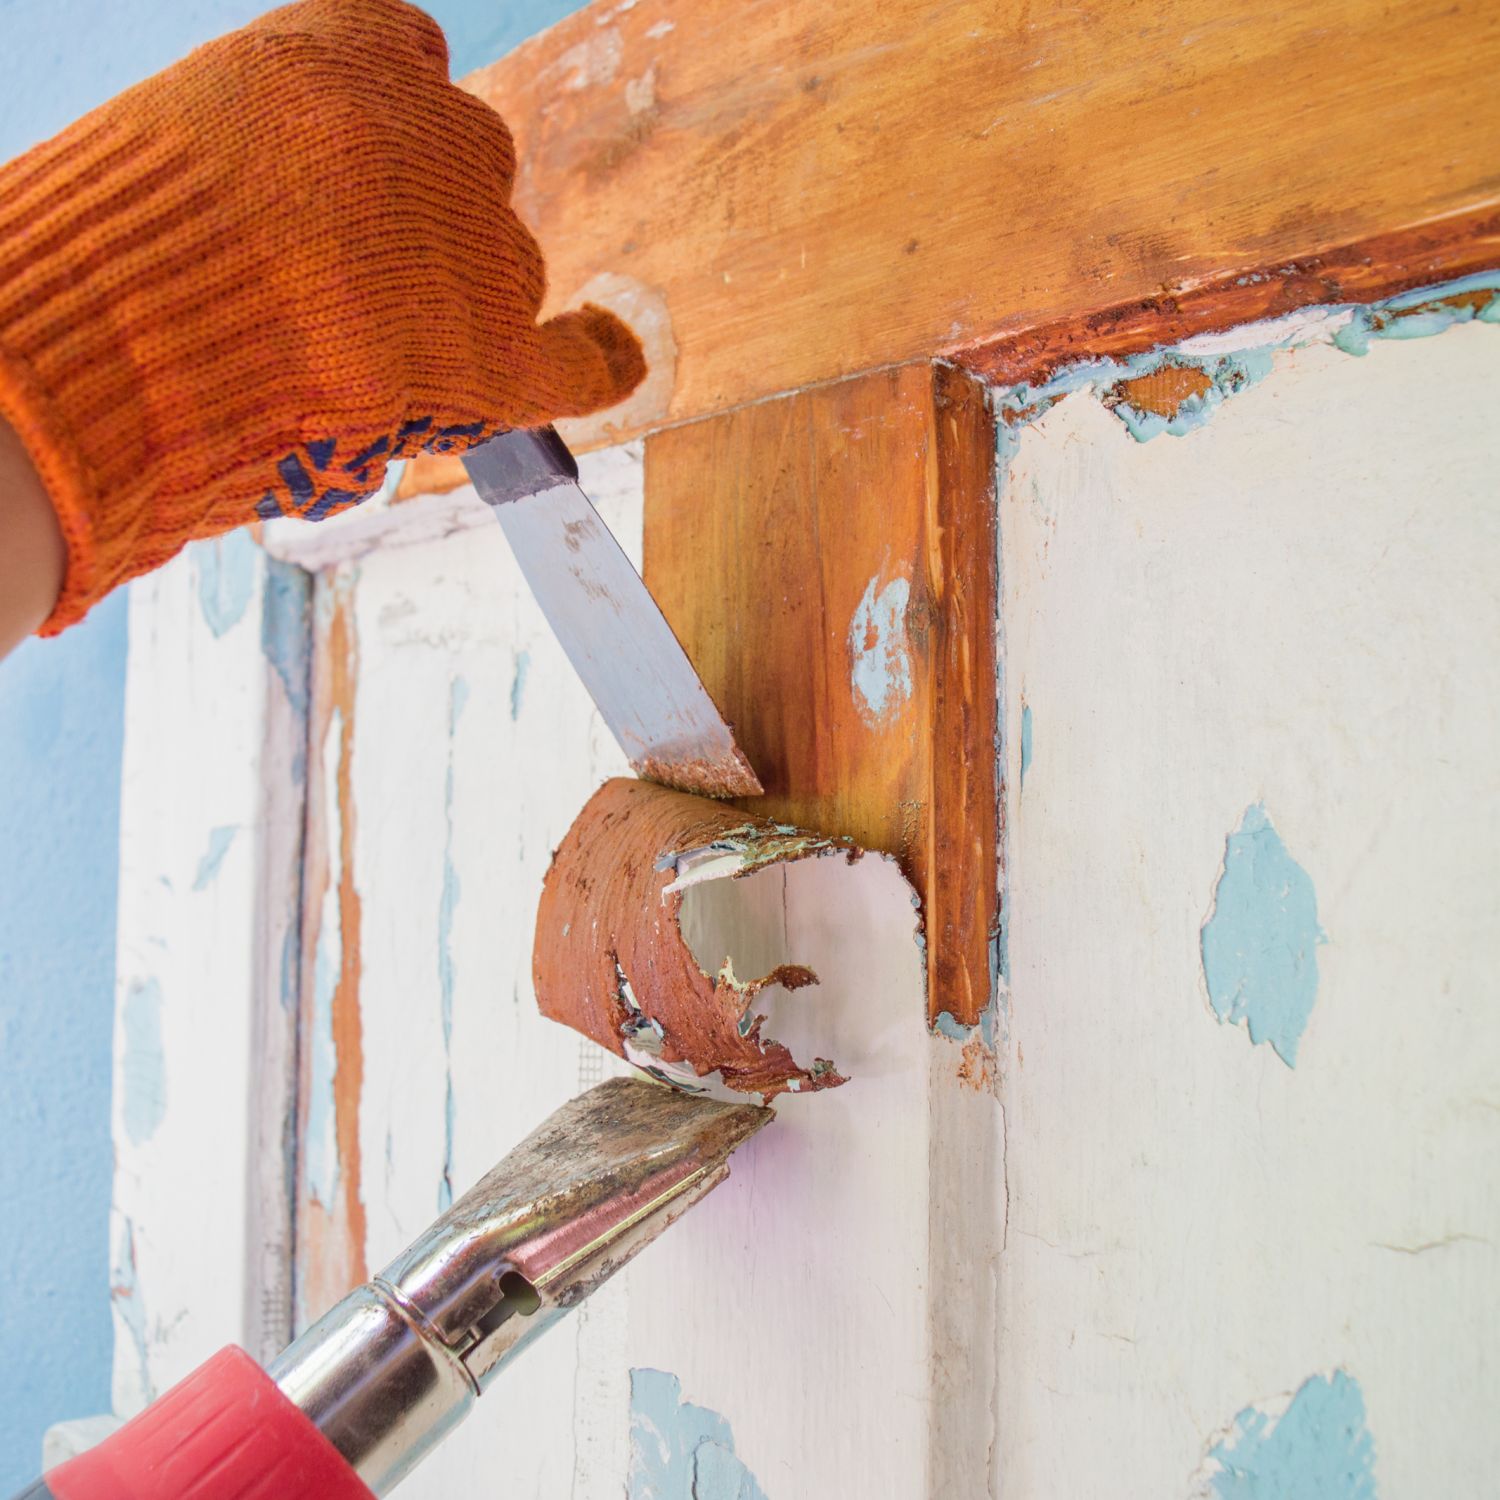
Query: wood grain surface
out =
(780, 193)
(828, 561)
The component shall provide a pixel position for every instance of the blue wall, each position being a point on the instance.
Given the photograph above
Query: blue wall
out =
(61, 720)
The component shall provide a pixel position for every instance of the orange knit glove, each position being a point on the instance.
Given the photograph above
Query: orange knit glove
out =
(241, 287)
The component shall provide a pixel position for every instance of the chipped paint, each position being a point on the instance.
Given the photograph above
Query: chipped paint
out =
(1025, 741)
(946, 1024)
(880, 675)
(1313, 1446)
(219, 840)
(331, 1241)
(458, 695)
(129, 1307)
(1175, 390)
(1422, 313)
(321, 1148)
(680, 1451)
(143, 1065)
(518, 683)
(1260, 941)
(226, 578)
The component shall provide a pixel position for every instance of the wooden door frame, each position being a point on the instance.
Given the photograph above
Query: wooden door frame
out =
(837, 191)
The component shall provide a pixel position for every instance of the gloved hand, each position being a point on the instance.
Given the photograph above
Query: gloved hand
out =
(243, 286)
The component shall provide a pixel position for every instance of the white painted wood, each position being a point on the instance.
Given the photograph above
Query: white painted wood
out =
(1294, 605)
(209, 867)
(801, 1299)
(375, 524)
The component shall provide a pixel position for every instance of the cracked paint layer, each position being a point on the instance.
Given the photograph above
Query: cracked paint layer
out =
(679, 1451)
(1314, 1446)
(610, 959)
(1260, 941)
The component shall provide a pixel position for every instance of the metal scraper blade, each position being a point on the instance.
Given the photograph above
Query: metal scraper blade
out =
(613, 631)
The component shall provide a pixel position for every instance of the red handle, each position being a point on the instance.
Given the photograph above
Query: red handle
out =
(224, 1433)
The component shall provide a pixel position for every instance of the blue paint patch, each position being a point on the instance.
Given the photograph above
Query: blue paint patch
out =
(1227, 374)
(286, 644)
(946, 1024)
(880, 674)
(458, 696)
(518, 683)
(1025, 742)
(226, 578)
(1414, 314)
(1420, 314)
(1317, 1449)
(1260, 942)
(143, 1066)
(679, 1451)
(219, 840)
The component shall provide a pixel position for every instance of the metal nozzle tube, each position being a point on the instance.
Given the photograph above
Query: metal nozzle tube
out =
(390, 1370)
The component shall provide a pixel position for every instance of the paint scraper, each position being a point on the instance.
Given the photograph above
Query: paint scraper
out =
(611, 628)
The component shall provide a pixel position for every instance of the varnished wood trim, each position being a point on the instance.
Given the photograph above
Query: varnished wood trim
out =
(779, 194)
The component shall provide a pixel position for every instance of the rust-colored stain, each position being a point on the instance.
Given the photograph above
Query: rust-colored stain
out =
(1366, 269)
(1163, 391)
(331, 1236)
(610, 959)
(976, 1066)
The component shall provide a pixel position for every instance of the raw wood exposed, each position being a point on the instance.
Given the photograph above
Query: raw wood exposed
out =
(828, 561)
(811, 190)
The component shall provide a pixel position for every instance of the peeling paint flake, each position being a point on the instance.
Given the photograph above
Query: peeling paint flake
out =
(610, 958)
(1260, 941)
(1314, 1447)
(1177, 390)
(679, 1451)
(1420, 314)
